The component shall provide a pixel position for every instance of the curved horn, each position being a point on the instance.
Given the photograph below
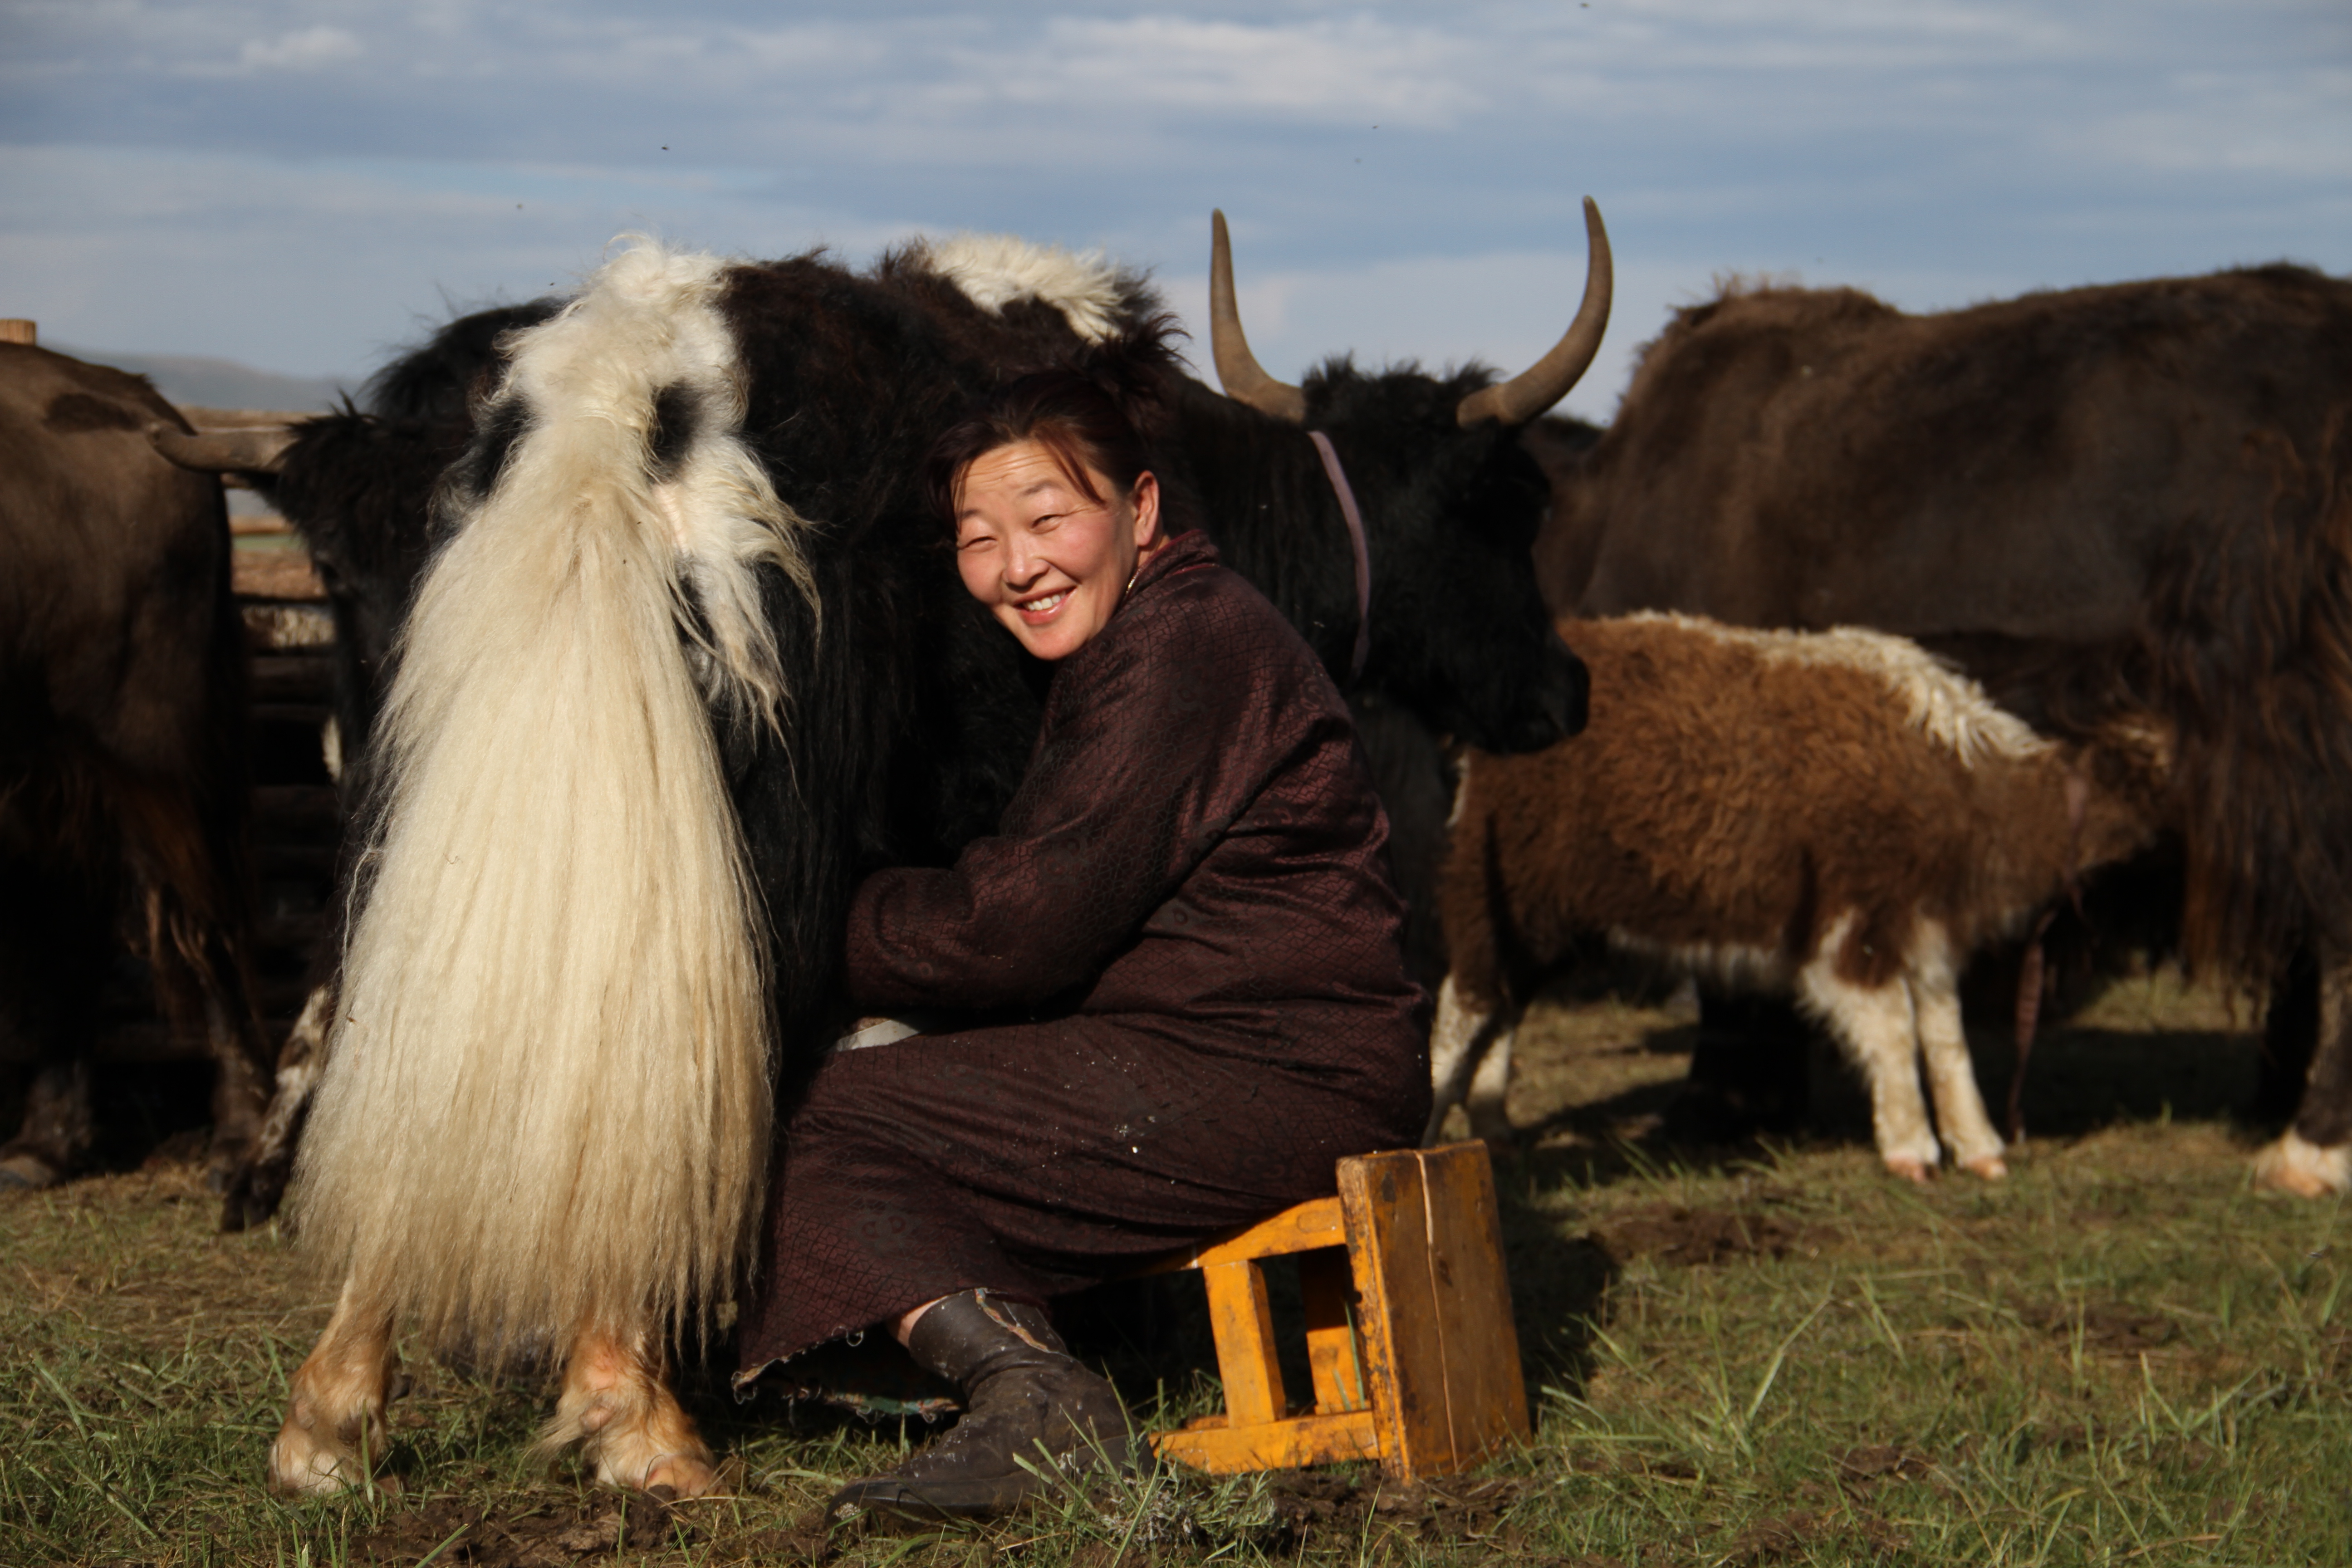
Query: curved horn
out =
(256, 449)
(1238, 371)
(1546, 382)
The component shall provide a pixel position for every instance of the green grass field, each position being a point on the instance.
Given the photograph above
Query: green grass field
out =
(1770, 1354)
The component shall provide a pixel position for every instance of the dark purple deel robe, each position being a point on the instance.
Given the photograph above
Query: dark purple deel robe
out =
(1183, 942)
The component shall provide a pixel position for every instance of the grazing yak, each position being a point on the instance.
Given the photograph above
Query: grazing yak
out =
(2128, 500)
(687, 657)
(123, 716)
(1832, 814)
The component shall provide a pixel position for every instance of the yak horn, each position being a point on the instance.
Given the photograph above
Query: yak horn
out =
(254, 449)
(1238, 371)
(1545, 383)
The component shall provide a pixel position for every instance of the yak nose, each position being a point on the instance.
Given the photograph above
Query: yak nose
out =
(1562, 695)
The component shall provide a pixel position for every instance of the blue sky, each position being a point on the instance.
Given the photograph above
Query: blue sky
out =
(302, 186)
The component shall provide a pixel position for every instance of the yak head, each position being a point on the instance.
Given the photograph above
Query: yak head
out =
(1452, 502)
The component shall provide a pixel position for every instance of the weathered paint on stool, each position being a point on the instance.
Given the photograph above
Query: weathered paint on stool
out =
(1408, 1334)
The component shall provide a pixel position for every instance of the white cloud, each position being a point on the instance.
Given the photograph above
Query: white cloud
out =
(1995, 144)
(308, 49)
(1357, 72)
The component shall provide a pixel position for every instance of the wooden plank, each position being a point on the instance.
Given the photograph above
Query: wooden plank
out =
(275, 574)
(1274, 1446)
(1313, 1224)
(17, 330)
(1440, 1347)
(202, 419)
(1327, 1286)
(1243, 1322)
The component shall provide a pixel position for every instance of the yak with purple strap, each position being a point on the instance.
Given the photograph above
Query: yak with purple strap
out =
(1338, 478)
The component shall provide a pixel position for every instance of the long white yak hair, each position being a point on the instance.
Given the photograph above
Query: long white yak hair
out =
(547, 1102)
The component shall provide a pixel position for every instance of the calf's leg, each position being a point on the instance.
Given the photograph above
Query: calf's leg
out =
(1490, 1086)
(334, 1434)
(1464, 1043)
(1951, 1076)
(616, 1400)
(2314, 1159)
(1880, 1034)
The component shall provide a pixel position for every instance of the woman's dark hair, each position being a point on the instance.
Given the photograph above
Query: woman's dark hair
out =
(1094, 415)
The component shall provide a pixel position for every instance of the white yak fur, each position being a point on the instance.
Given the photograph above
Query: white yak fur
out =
(1948, 706)
(547, 1102)
(995, 269)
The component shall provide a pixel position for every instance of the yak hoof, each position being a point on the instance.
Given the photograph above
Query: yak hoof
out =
(2294, 1165)
(254, 1193)
(300, 1465)
(686, 1475)
(1991, 1167)
(1911, 1170)
(27, 1171)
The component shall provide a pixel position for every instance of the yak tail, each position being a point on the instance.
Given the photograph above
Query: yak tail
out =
(547, 1102)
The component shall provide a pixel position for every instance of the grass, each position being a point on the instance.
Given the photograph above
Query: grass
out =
(1772, 1354)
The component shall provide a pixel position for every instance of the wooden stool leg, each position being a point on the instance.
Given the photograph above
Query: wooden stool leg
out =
(1328, 1285)
(1427, 1245)
(1244, 1324)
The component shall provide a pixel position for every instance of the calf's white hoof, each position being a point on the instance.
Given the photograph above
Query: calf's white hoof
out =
(1923, 1172)
(1991, 1167)
(2304, 1169)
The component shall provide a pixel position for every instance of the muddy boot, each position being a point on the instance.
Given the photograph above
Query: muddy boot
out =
(1022, 1394)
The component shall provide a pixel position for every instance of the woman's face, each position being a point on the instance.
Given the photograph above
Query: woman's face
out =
(1048, 563)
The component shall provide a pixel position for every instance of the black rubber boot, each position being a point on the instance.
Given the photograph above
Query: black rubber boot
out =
(1023, 1398)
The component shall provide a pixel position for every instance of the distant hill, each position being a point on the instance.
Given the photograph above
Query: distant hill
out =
(219, 382)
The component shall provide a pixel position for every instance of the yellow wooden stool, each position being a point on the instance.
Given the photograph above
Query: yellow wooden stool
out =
(1417, 1365)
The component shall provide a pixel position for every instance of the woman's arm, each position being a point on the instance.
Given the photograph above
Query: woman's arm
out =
(1136, 783)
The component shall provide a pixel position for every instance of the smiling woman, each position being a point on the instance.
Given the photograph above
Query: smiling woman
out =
(1171, 985)
(1053, 518)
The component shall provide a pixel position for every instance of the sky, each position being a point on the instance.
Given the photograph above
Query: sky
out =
(306, 187)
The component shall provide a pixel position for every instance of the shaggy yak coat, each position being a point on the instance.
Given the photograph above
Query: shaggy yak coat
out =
(1177, 972)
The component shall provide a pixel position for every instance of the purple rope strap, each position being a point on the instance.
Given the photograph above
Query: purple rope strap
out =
(1338, 478)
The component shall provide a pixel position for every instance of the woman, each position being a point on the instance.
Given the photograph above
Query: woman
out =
(1179, 955)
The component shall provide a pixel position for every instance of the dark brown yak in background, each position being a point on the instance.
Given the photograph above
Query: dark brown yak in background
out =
(122, 712)
(2099, 501)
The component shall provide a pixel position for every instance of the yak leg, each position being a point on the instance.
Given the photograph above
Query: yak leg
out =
(334, 1433)
(2290, 1038)
(240, 1097)
(2314, 1159)
(257, 1188)
(1875, 1026)
(1951, 1076)
(53, 948)
(1463, 1039)
(616, 1399)
(58, 1129)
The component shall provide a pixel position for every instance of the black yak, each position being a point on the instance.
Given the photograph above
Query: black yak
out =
(688, 657)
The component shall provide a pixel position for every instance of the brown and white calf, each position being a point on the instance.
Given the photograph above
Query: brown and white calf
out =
(1835, 813)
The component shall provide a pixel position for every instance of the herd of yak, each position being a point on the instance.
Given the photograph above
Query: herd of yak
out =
(1856, 645)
